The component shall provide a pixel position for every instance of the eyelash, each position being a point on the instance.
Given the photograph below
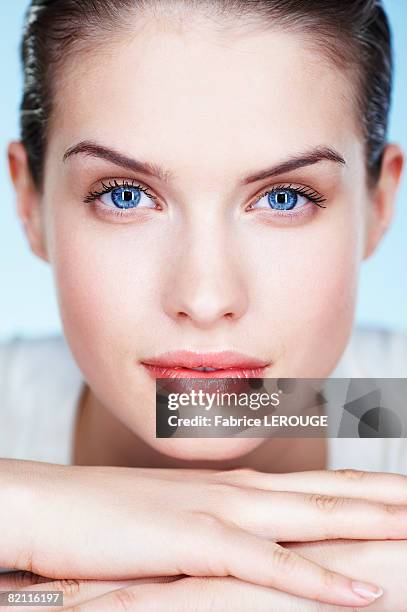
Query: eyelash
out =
(107, 188)
(313, 196)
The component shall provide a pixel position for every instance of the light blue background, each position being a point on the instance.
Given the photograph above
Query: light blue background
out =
(27, 298)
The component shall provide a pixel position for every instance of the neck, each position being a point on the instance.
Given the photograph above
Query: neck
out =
(102, 439)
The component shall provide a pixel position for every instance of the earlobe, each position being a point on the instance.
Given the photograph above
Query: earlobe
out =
(27, 199)
(383, 201)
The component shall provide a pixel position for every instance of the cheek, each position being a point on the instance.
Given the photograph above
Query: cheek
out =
(105, 285)
(308, 298)
(105, 279)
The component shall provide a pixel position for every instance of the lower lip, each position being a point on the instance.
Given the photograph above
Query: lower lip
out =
(163, 372)
(179, 379)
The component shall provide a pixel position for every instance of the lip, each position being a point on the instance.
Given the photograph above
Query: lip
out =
(230, 361)
(226, 364)
(157, 371)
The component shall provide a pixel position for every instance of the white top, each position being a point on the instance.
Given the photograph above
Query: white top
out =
(41, 384)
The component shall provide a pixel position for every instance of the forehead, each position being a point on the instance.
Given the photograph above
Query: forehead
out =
(167, 93)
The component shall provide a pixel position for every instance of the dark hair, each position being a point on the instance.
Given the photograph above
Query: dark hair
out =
(355, 33)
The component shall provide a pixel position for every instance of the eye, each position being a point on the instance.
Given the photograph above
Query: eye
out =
(127, 197)
(118, 197)
(287, 198)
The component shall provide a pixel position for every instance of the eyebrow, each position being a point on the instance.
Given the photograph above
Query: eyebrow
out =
(296, 162)
(93, 149)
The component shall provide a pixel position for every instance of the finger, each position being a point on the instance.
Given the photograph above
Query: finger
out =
(289, 516)
(366, 560)
(75, 592)
(200, 595)
(13, 581)
(383, 487)
(237, 553)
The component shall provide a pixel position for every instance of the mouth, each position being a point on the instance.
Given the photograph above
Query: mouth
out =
(203, 372)
(189, 364)
(179, 365)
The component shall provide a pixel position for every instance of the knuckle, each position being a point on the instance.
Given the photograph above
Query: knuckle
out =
(283, 559)
(393, 510)
(71, 587)
(18, 579)
(24, 578)
(127, 599)
(25, 561)
(350, 474)
(32, 562)
(326, 503)
(325, 585)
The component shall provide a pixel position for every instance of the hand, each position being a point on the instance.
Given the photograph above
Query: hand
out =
(142, 595)
(376, 560)
(150, 522)
(369, 560)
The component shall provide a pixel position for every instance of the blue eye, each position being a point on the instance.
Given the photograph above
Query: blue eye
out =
(283, 198)
(123, 197)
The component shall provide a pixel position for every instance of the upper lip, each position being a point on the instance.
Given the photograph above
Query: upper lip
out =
(219, 360)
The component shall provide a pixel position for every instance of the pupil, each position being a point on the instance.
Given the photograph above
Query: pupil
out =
(127, 195)
(281, 198)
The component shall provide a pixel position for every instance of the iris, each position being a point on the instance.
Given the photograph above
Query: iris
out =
(283, 199)
(125, 197)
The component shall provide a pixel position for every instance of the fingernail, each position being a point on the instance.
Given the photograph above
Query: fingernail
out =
(370, 592)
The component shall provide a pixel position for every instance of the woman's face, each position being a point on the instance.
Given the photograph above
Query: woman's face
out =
(206, 265)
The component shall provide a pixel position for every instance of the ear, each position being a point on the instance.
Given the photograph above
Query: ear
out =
(382, 204)
(29, 208)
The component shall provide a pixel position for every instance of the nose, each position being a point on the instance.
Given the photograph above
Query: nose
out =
(206, 286)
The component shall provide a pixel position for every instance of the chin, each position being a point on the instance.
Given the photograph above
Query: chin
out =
(206, 449)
